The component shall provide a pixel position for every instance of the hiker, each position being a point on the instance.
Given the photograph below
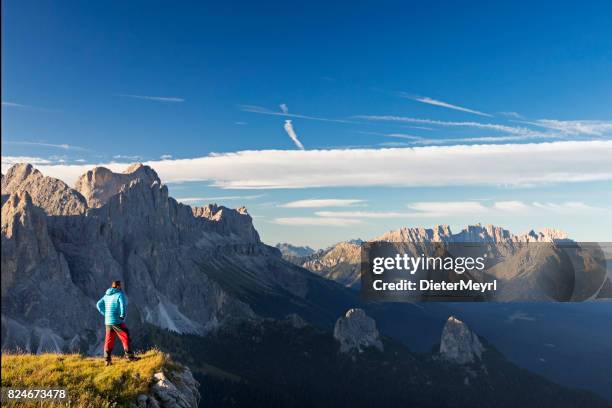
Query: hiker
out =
(113, 306)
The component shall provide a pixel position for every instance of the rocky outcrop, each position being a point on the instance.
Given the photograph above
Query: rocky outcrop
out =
(288, 250)
(52, 195)
(176, 389)
(100, 183)
(36, 282)
(459, 344)
(472, 233)
(225, 221)
(546, 235)
(339, 263)
(439, 233)
(356, 331)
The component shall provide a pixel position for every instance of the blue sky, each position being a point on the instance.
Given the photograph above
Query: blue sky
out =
(401, 108)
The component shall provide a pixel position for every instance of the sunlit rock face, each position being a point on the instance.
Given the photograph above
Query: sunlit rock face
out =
(62, 243)
(99, 184)
(459, 344)
(356, 331)
(52, 195)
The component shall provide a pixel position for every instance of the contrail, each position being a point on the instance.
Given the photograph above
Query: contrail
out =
(292, 135)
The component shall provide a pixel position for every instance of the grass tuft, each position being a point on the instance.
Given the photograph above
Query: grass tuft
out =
(88, 382)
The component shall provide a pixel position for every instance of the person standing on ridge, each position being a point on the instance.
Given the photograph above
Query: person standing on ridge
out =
(113, 306)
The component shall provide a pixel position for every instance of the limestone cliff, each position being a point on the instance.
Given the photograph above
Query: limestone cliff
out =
(356, 331)
(459, 344)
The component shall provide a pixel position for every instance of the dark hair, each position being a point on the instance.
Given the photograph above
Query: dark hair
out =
(116, 284)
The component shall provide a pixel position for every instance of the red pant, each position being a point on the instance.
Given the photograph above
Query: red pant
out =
(113, 331)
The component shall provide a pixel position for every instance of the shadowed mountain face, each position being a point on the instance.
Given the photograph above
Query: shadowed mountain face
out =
(278, 363)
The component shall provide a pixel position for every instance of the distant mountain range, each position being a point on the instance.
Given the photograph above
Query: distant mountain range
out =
(203, 286)
(288, 250)
(526, 263)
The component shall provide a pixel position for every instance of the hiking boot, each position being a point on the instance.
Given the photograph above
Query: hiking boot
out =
(131, 357)
(107, 363)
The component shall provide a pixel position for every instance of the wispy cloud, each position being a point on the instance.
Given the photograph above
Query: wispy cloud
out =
(240, 123)
(540, 164)
(171, 99)
(514, 115)
(15, 105)
(322, 203)
(126, 157)
(418, 127)
(315, 222)
(10, 160)
(512, 206)
(448, 207)
(437, 210)
(469, 140)
(435, 102)
(291, 132)
(264, 111)
(395, 135)
(365, 214)
(62, 146)
(284, 108)
(403, 136)
(458, 208)
(7, 104)
(576, 127)
(519, 130)
(570, 207)
(188, 200)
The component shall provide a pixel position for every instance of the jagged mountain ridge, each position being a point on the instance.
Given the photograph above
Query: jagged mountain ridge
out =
(341, 262)
(185, 269)
(293, 250)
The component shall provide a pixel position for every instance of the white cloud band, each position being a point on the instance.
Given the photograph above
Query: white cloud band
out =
(321, 203)
(507, 164)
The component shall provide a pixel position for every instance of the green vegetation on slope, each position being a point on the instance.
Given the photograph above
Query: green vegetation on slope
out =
(88, 382)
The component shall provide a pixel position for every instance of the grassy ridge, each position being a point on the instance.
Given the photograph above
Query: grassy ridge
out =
(88, 382)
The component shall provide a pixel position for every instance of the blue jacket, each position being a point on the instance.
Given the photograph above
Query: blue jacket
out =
(113, 306)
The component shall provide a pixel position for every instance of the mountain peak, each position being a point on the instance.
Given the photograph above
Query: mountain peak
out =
(20, 171)
(471, 233)
(357, 331)
(52, 195)
(289, 250)
(236, 222)
(458, 343)
(134, 167)
(101, 183)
